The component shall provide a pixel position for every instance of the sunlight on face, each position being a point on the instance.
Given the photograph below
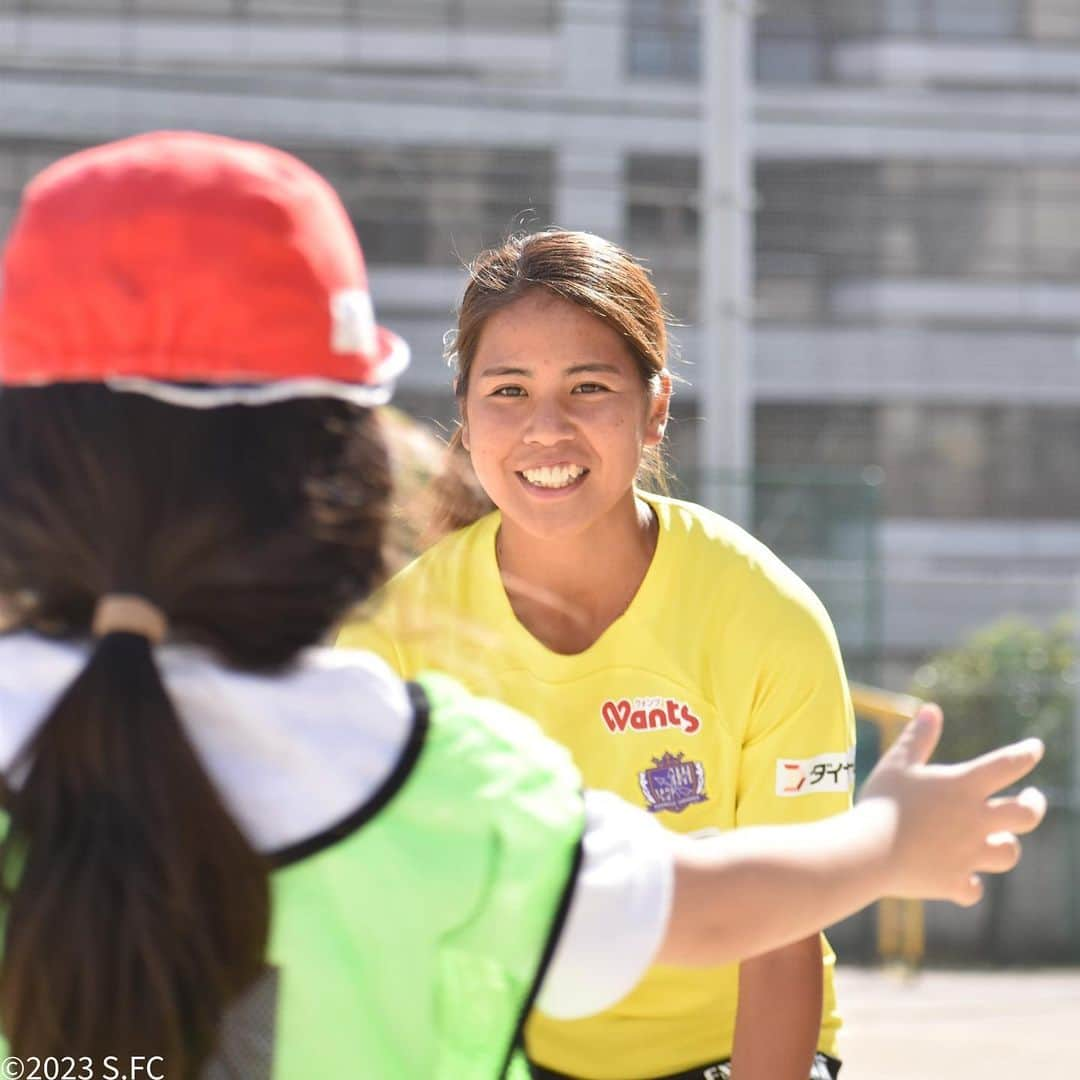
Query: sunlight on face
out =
(556, 416)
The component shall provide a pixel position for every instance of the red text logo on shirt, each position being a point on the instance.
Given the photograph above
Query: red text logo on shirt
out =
(826, 772)
(648, 714)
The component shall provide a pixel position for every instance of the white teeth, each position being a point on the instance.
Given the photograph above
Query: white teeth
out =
(553, 476)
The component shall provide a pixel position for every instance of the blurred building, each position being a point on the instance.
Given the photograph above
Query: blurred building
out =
(917, 248)
(918, 287)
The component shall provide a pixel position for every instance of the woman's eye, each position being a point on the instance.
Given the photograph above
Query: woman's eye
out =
(508, 391)
(589, 388)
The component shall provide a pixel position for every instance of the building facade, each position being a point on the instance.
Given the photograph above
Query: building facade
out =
(917, 219)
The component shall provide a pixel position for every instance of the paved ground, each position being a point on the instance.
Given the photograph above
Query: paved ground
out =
(960, 1025)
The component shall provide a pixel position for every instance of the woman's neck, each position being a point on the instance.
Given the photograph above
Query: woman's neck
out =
(566, 591)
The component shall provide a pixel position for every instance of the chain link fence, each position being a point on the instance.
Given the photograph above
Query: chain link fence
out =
(825, 525)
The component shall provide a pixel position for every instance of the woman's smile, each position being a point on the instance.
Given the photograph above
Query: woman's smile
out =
(561, 477)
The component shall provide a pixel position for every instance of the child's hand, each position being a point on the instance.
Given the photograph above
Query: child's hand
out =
(947, 825)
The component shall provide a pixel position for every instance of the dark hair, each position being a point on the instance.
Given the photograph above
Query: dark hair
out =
(585, 269)
(136, 910)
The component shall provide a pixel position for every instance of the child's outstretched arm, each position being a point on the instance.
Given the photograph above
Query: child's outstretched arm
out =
(919, 830)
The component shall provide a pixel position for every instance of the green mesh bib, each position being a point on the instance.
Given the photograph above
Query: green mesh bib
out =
(408, 941)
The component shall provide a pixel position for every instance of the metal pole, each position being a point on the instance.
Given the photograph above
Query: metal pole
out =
(1072, 807)
(1074, 793)
(723, 375)
(873, 577)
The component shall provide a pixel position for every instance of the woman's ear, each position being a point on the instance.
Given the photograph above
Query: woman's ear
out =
(463, 419)
(659, 406)
(463, 426)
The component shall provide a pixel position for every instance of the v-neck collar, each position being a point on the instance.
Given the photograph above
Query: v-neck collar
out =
(543, 660)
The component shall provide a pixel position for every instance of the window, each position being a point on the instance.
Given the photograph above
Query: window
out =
(788, 58)
(813, 222)
(825, 436)
(438, 206)
(1051, 225)
(426, 206)
(662, 226)
(954, 18)
(1053, 20)
(1000, 461)
(664, 39)
(1009, 462)
(20, 160)
(791, 40)
(502, 15)
(794, 37)
(819, 223)
(796, 444)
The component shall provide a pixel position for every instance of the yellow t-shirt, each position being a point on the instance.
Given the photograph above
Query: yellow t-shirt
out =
(717, 699)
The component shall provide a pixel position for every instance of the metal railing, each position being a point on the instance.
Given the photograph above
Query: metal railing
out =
(901, 924)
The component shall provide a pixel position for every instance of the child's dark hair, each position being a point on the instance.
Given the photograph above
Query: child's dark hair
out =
(136, 910)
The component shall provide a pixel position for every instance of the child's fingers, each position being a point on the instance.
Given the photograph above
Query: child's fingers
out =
(968, 892)
(1018, 815)
(918, 740)
(1000, 854)
(1000, 768)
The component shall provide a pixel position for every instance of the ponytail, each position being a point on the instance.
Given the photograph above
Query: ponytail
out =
(135, 911)
(135, 908)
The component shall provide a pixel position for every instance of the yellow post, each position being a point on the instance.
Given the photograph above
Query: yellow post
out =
(900, 923)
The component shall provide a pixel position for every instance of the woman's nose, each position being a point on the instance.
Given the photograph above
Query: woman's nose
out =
(548, 424)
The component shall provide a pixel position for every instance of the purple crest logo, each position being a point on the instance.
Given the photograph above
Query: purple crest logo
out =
(672, 784)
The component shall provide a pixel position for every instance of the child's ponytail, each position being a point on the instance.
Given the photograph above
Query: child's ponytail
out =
(135, 910)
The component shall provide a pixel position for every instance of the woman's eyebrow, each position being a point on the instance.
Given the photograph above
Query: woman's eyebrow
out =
(502, 369)
(578, 369)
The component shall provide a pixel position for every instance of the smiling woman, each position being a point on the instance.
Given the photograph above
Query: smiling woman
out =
(561, 380)
(584, 599)
(555, 416)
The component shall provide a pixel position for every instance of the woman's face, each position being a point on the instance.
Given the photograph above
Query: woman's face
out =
(556, 415)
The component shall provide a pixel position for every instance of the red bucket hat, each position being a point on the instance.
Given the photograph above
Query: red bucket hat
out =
(198, 269)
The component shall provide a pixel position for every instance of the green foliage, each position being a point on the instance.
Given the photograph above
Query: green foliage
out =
(1006, 682)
